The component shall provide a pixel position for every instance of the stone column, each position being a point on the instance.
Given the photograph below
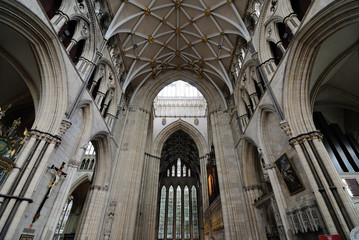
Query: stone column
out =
(14, 209)
(28, 149)
(235, 215)
(292, 22)
(61, 199)
(93, 213)
(278, 196)
(203, 165)
(127, 180)
(337, 209)
(146, 224)
(59, 20)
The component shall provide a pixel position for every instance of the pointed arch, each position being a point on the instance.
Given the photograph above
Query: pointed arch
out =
(187, 128)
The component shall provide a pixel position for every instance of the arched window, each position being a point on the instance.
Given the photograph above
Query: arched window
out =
(83, 164)
(64, 215)
(170, 213)
(186, 224)
(178, 213)
(87, 164)
(179, 167)
(194, 213)
(161, 225)
(180, 220)
(173, 171)
(92, 164)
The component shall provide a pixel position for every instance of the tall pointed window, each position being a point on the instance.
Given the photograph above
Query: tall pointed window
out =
(186, 224)
(194, 213)
(170, 213)
(178, 167)
(178, 209)
(173, 170)
(161, 225)
(64, 216)
(178, 213)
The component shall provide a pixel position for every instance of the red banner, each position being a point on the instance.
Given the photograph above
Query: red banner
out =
(330, 237)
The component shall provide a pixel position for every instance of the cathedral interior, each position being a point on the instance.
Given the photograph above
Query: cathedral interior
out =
(179, 119)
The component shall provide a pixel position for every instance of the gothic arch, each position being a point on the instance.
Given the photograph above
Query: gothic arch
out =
(102, 173)
(187, 128)
(296, 92)
(150, 89)
(85, 177)
(52, 84)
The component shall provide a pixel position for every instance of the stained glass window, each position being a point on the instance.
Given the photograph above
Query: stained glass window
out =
(184, 170)
(194, 213)
(161, 224)
(170, 213)
(187, 231)
(189, 172)
(178, 212)
(178, 167)
(168, 173)
(173, 171)
(64, 215)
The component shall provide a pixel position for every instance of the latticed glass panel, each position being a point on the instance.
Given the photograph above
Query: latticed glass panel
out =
(64, 215)
(184, 170)
(178, 212)
(170, 213)
(161, 224)
(194, 213)
(187, 230)
(178, 167)
(173, 171)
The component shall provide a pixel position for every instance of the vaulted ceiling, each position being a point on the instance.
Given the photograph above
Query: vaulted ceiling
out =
(184, 35)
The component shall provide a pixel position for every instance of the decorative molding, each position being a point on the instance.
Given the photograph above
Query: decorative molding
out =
(306, 137)
(286, 128)
(45, 136)
(65, 125)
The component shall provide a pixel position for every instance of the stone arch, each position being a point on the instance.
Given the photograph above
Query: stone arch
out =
(83, 178)
(214, 96)
(103, 159)
(51, 84)
(187, 128)
(249, 155)
(297, 98)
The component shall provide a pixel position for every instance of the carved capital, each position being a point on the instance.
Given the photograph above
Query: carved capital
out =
(65, 125)
(306, 137)
(286, 128)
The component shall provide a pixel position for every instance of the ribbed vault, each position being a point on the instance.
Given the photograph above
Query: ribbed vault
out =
(183, 35)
